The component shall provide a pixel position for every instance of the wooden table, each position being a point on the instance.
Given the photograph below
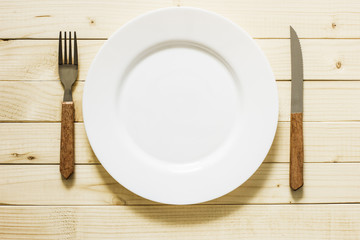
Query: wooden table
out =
(37, 204)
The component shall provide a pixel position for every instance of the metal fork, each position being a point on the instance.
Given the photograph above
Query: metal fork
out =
(68, 71)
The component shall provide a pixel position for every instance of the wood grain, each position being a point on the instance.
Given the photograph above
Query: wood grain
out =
(331, 59)
(38, 143)
(261, 18)
(40, 101)
(271, 19)
(36, 101)
(31, 93)
(92, 185)
(90, 19)
(67, 160)
(38, 60)
(182, 222)
(296, 151)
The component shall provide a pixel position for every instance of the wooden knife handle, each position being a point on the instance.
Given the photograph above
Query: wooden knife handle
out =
(296, 151)
(67, 139)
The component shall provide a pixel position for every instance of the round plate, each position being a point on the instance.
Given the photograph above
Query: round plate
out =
(180, 106)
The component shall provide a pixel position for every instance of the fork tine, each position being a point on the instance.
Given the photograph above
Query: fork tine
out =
(70, 55)
(65, 52)
(75, 50)
(60, 50)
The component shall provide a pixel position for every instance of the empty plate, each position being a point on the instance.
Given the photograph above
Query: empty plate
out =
(180, 106)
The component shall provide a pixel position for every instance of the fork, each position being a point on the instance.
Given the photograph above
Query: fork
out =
(68, 71)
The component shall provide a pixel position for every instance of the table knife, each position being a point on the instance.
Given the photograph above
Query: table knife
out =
(296, 128)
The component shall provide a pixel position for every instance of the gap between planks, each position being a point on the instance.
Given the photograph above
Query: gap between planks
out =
(191, 205)
(105, 39)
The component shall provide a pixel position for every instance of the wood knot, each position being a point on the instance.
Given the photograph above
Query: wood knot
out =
(91, 20)
(43, 16)
(333, 25)
(278, 185)
(338, 64)
(31, 158)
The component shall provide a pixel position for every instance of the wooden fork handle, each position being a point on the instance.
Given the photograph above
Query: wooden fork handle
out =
(67, 139)
(296, 151)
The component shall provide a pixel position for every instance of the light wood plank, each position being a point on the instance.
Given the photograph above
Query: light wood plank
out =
(41, 101)
(36, 101)
(91, 184)
(323, 142)
(38, 143)
(264, 19)
(261, 18)
(34, 143)
(331, 59)
(91, 19)
(182, 222)
(38, 60)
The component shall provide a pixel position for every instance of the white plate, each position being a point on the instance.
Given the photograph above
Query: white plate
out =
(180, 106)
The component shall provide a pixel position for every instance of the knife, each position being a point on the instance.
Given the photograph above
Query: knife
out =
(296, 128)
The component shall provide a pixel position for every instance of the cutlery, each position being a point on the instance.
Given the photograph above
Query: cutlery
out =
(68, 72)
(296, 129)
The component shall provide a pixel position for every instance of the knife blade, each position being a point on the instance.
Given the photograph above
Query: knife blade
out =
(296, 123)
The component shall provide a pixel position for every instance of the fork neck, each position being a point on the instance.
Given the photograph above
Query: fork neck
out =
(68, 95)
